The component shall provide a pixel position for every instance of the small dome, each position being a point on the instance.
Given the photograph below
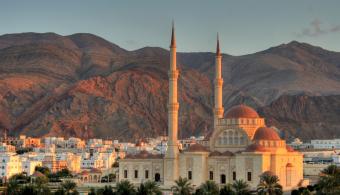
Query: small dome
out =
(242, 111)
(266, 133)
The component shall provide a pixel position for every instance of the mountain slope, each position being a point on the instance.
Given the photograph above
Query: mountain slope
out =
(82, 85)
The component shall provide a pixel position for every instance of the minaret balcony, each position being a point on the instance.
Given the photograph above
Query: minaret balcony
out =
(173, 74)
(218, 82)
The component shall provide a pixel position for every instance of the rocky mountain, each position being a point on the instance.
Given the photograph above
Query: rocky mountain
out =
(82, 85)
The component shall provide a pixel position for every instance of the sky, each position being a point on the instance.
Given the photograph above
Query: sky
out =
(244, 26)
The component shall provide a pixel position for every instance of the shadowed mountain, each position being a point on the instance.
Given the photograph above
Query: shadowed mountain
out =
(82, 85)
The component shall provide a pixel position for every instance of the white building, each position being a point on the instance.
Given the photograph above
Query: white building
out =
(10, 164)
(28, 165)
(326, 143)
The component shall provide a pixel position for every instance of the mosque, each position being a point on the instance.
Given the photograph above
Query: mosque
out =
(240, 146)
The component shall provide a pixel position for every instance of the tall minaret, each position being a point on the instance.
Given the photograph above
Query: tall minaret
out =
(218, 82)
(171, 155)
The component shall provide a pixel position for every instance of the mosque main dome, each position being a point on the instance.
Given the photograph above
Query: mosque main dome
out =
(242, 111)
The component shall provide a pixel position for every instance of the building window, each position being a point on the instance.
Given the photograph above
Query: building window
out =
(136, 173)
(249, 176)
(157, 177)
(211, 175)
(189, 174)
(125, 174)
(234, 175)
(146, 174)
(223, 179)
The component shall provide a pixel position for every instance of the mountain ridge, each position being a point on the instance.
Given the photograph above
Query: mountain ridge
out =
(82, 85)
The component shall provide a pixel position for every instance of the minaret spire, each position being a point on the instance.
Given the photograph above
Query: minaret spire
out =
(173, 37)
(171, 169)
(218, 51)
(218, 82)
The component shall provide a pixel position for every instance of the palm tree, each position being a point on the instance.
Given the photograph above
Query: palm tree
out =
(182, 187)
(67, 188)
(241, 187)
(227, 190)
(269, 184)
(329, 181)
(149, 188)
(125, 188)
(209, 188)
(107, 190)
(12, 187)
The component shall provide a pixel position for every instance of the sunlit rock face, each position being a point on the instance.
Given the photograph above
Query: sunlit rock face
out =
(82, 85)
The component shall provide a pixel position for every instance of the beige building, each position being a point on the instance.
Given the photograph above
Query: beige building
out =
(239, 147)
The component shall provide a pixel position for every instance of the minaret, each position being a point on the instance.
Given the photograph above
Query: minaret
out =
(218, 82)
(171, 155)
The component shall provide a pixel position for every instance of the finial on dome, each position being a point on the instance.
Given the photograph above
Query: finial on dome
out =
(173, 38)
(218, 51)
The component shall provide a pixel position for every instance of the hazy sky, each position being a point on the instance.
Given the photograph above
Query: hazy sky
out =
(244, 26)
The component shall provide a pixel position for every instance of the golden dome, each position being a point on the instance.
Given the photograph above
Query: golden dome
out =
(266, 133)
(242, 111)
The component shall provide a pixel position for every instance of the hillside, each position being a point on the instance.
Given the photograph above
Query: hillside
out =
(82, 85)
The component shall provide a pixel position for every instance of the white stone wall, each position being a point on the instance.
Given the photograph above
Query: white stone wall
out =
(154, 166)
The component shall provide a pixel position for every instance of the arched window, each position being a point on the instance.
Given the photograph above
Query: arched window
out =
(242, 140)
(223, 179)
(157, 177)
(230, 142)
(289, 174)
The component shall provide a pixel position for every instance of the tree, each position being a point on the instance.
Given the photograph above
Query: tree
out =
(240, 187)
(182, 187)
(44, 170)
(12, 187)
(125, 188)
(28, 189)
(209, 188)
(149, 188)
(115, 164)
(269, 185)
(64, 173)
(20, 178)
(40, 185)
(67, 188)
(227, 190)
(329, 181)
(92, 192)
(107, 190)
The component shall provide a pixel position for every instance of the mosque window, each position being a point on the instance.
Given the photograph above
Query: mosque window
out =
(230, 138)
(136, 173)
(190, 175)
(249, 176)
(146, 174)
(211, 175)
(234, 175)
(223, 179)
(125, 174)
(242, 140)
(157, 177)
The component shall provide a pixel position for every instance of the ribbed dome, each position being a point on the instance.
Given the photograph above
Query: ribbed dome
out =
(242, 111)
(266, 133)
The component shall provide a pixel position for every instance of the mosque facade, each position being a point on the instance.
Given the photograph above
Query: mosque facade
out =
(240, 146)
